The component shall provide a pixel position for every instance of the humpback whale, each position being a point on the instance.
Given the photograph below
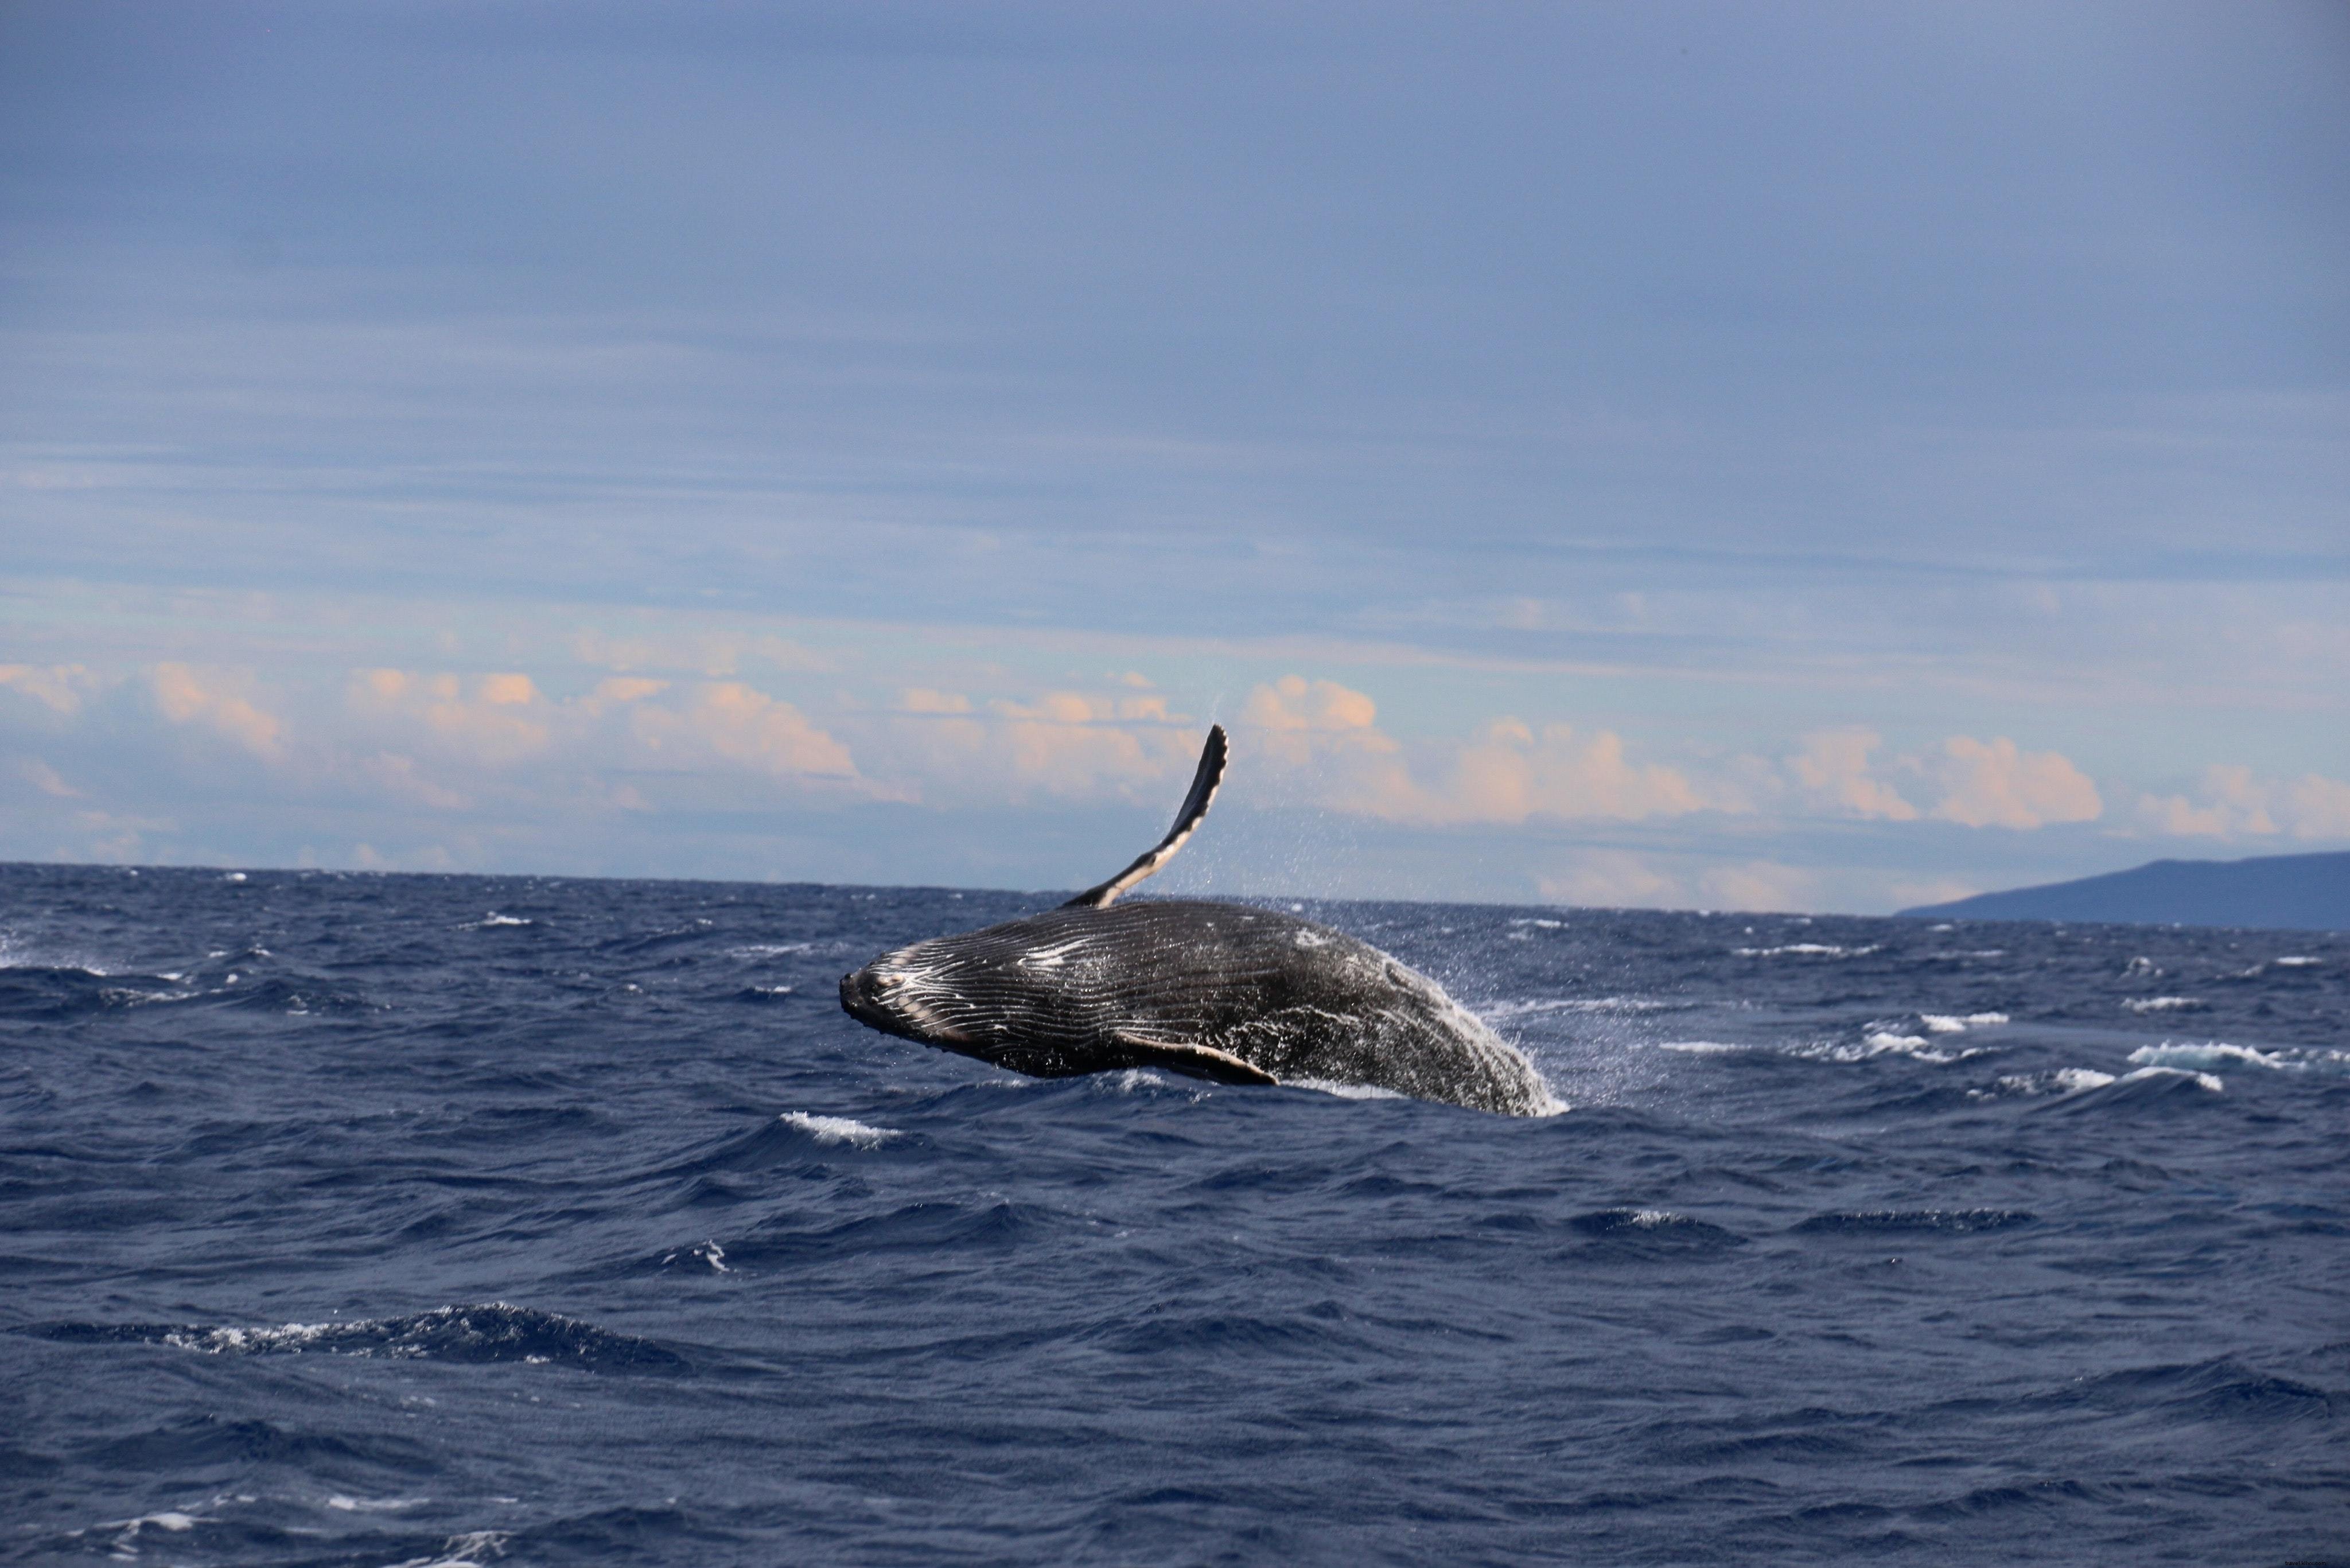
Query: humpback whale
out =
(1223, 991)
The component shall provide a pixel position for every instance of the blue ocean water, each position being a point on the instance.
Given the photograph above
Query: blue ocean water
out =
(371, 1219)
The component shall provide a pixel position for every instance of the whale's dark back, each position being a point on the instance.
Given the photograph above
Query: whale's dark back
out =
(1076, 989)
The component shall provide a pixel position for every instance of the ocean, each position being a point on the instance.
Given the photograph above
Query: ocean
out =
(395, 1219)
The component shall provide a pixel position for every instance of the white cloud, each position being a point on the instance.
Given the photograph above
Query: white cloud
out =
(1619, 879)
(1757, 885)
(1609, 879)
(1995, 785)
(2233, 804)
(1832, 773)
(212, 697)
(733, 721)
(46, 779)
(1506, 773)
(60, 687)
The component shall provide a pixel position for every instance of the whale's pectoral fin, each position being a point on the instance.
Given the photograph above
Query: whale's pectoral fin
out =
(1193, 1061)
(1195, 806)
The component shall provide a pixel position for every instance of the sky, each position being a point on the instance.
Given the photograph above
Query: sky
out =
(1828, 457)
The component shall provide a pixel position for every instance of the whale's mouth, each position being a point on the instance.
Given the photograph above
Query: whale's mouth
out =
(882, 996)
(860, 998)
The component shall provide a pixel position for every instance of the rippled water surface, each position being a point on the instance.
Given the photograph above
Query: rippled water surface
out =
(402, 1219)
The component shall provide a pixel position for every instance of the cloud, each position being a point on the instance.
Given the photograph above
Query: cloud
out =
(1293, 702)
(46, 779)
(1832, 772)
(1609, 879)
(624, 689)
(922, 700)
(187, 696)
(1994, 784)
(500, 722)
(399, 777)
(734, 722)
(2233, 804)
(1758, 885)
(57, 686)
(1506, 773)
(1066, 745)
(1617, 880)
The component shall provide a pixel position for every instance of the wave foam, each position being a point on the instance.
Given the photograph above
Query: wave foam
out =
(2187, 1056)
(2204, 1080)
(1881, 1043)
(483, 1332)
(474, 1549)
(838, 1130)
(1806, 949)
(2160, 1003)
(1959, 1023)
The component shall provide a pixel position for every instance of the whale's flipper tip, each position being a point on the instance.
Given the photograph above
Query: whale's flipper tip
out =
(1211, 773)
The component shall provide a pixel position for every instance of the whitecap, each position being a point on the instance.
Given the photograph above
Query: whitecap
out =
(2204, 1081)
(2160, 1003)
(1960, 1022)
(1699, 1047)
(1879, 1043)
(2063, 1081)
(770, 949)
(474, 1549)
(1539, 922)
(1805, 949)
(2219, 1053)
(2295, 960)
(495, 918)
(838, 1130)
(374, 1504)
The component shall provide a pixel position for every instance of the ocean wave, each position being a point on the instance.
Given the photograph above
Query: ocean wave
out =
(2063, 1081)
(2219, 1053)
(838, 1130)
(1880, 1042)
(1534, 1006)
(1808, 949)
(2160, 1003)
(1959, 1023)
(485, 1332)
(1916, 1221)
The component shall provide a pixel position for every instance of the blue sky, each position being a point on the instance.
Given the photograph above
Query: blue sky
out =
(1808, 456)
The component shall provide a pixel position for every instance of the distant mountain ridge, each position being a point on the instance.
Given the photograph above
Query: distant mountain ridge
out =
(2283, 892)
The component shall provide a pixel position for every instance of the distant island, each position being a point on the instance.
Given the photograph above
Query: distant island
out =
(2290, 892)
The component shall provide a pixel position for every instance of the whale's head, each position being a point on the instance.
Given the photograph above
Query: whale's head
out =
(1008, 994)
(909, 992)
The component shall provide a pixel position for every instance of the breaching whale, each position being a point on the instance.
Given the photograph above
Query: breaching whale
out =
(1223, 992)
